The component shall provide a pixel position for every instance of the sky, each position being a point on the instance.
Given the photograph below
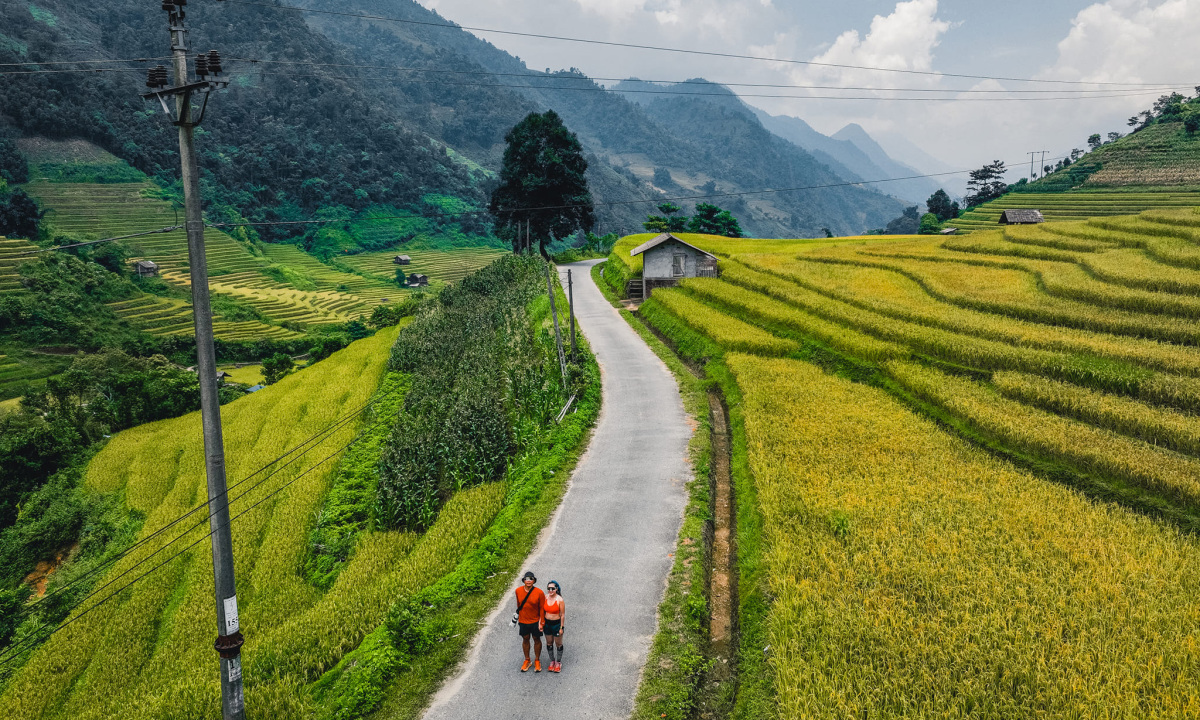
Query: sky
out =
(1116, 41)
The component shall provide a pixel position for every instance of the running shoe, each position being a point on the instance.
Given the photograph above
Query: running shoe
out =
(537, 665)
(556, 667)
(525, 667)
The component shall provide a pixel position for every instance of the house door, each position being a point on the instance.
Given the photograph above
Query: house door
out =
(677, 265)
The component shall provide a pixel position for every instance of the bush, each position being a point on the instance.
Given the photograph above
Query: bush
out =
(929, 224)
(276, 367)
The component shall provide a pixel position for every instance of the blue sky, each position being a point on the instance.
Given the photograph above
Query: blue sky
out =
(1080, 40)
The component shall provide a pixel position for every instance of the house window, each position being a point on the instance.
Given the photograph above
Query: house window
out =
(677, 265)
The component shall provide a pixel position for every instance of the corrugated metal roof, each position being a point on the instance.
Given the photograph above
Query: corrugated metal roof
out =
(659, 241)
(1021, 217)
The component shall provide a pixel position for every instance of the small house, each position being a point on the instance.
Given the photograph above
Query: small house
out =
(146, 268)
(950, 231)
(666, 260)
(1021, 217)
(401, 260)
(418, 280)
(222, 376)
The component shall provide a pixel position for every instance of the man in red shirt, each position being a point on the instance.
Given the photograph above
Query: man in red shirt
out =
(531, 618)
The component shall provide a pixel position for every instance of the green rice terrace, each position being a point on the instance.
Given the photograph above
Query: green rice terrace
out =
(1075, 205)
(447, 266)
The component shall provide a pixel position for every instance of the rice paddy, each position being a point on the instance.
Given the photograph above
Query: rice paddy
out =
(164, 648)
(447, 266)
(997, 517)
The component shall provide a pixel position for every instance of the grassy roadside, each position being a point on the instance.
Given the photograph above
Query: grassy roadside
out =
(398, 667)
(672, 679)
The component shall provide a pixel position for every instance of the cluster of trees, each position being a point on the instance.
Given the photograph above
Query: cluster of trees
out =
(709, 219)
(1174, 107)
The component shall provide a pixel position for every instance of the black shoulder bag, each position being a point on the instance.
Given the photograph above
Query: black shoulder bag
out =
(517, 615)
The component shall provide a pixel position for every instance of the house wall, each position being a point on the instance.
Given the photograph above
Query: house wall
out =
(656, 262)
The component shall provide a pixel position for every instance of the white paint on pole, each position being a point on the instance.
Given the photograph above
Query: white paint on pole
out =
(235, 669)
(231, 615)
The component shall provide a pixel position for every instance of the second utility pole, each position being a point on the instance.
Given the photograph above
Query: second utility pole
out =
(229, 636)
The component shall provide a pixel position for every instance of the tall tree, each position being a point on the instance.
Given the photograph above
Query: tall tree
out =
(940, 204)
(986, 183)
(542, 183)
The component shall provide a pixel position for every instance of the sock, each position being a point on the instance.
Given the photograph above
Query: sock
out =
(560, 649)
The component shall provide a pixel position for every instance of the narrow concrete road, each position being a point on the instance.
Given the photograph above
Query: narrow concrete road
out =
(609, 546)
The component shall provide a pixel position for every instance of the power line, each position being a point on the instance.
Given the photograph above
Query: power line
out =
(30, 641)
(327, 432)
(706, 53)
(461, 213)
(598, 89)
(80, 62)
(544, 76)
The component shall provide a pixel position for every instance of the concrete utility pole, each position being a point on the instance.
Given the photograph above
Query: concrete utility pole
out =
(571, 305)
(208, 66)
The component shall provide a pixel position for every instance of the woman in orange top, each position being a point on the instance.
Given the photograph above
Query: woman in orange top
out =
(531, 614)
(555, 614)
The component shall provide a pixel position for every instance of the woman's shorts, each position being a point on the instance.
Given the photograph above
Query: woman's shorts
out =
(529, 629)
(553, 627)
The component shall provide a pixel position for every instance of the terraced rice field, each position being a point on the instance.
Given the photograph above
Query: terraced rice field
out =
(163, 316)
(998, 516)
(11, 256)
(446, 266)
(1074, 205)
(285, 285)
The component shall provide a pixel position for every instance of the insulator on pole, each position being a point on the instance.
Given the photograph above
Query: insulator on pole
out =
(214, 62)
(168, 5)
(201, 65)
(151, 79)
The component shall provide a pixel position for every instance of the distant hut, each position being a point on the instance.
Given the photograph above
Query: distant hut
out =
(667, 260)
(401, 260)
(950, 231)
(222, 376)
(146, 268)
(418, 280)
(1021, 217)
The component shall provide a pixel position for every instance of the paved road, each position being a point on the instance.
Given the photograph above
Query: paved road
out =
(609, 546)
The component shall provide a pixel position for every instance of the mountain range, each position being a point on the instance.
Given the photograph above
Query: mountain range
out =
(334, 113)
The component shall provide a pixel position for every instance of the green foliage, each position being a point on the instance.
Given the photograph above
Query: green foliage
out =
(543, 167)
(13, 167)
(907, 224)
(109, 391)
(98, 173)
(276, 367)
(31, 450)
(668, 221)
(387, 315)
(940, 205)
(484, 381)
(929, 224)
(712, 220)
(347, 510)
(19, 215)
(986, 183)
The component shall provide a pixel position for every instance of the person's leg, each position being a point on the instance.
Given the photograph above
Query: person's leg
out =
(525, 645)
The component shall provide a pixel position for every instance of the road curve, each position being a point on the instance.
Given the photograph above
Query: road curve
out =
(609, 545)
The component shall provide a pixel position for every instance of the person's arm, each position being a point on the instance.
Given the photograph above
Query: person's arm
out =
(562, 615)
(542, 612)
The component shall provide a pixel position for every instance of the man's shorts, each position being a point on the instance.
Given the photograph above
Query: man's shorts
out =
(529, 629)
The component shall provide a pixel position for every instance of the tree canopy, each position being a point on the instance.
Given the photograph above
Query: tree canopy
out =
(940, 205)
(709, 219)
(986, 183)
(542, 183)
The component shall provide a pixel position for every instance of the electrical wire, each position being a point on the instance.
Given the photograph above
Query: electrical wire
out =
(706, 53)
(544, 76)
(598, 89)
(80, 62)
(14, 651)
(327, 432)
(463, 213)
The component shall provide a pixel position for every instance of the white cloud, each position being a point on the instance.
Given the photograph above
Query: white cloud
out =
(904, 40)
(1130, 41)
